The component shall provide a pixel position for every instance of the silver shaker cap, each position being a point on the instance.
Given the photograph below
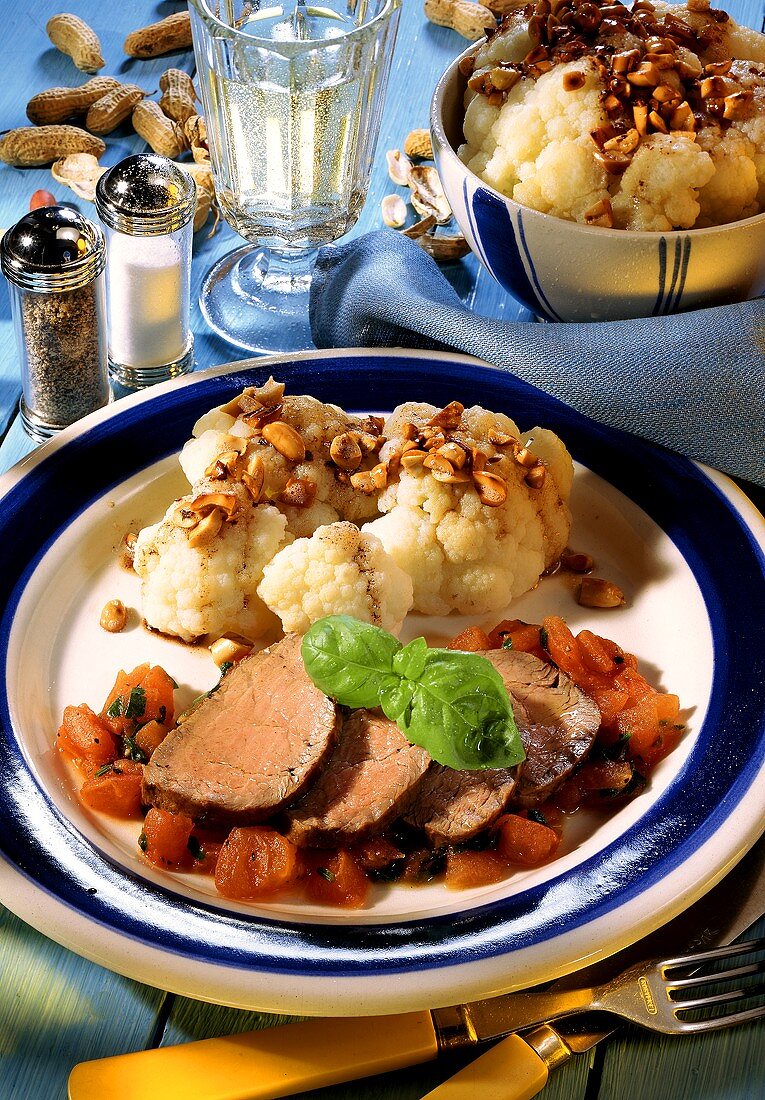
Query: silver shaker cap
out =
(146, 195)
(53, 248)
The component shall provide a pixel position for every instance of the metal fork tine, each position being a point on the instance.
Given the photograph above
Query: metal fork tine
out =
(718, 1022)
(750, 947)
(718, 999)
(717, 976)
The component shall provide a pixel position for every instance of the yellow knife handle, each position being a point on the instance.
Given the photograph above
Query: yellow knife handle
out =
(261, 1065)
(511, 1069)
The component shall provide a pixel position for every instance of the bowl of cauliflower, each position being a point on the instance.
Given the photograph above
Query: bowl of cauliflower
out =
(606, 162)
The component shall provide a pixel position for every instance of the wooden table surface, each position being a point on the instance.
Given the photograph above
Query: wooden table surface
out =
(56, 1009)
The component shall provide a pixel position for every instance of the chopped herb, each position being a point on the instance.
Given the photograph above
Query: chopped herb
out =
(115, 709)
(196, 849)
(136, 707)
(103, 770)
(507, 641)
(538, 816)
(326, 873)
(133, 751)
(162, 715)
(143, 843)
(389, 873)
(226, 667)
(543, 639)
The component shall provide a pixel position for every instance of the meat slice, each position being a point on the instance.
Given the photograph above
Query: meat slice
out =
(251, 748)
(557, 723)
(559, 728)
(365, 785)
(453, 806)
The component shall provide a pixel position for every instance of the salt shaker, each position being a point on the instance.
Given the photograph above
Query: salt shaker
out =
(54, 260)
(146, 204)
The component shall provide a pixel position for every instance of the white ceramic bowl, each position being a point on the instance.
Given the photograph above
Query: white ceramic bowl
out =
(564, 271)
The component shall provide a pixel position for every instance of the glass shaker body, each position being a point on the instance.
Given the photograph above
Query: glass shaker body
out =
(148, 285)
(54, 262)
(146, 204)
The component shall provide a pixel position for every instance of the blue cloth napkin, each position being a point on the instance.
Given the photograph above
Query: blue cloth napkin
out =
(693, 382)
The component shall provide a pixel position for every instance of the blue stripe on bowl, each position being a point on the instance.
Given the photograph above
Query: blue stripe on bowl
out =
(729, 753)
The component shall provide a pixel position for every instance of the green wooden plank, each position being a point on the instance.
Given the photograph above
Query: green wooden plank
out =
(56, 1009)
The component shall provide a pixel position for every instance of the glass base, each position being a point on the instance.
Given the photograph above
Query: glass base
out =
(137, 378)
(39, 429)
(257, 299)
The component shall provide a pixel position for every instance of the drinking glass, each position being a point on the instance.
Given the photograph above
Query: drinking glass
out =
(292, 96)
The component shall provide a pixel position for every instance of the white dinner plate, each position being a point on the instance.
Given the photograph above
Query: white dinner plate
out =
(684, 544)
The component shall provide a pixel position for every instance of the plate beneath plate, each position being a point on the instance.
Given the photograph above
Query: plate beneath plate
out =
(685, 545)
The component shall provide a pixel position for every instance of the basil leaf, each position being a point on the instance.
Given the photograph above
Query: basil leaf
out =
(461, 713)
(410, 661)
(350, 661)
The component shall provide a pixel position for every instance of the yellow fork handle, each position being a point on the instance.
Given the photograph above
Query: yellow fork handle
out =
(261, 1065)
(511, 1069)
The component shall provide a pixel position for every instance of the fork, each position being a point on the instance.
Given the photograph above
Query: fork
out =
(656, 994)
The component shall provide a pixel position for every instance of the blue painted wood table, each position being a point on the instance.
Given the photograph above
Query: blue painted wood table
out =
(57, 1009)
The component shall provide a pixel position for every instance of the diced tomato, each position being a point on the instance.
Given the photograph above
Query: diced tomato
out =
(255, 862)
(335, 878)
(521, 840)
(563, 647)
(520, 635)
(467, 869)
(595, 655)
(137, 698)
(636, 686)
(84, 738)
(150, 737)
(471, 640)
(117, 791)
(205, 855)
(167, 837)
(667, 739)
(376, 853)
(610, 702)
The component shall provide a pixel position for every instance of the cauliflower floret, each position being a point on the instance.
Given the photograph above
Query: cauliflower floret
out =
(339, 570)
(720, 39)
(461, 554)
(317, 424)
(659, 190)
(732, 191)
(540, 146)
(189, 591)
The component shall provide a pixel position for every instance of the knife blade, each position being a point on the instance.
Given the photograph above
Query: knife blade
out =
(281, 1061)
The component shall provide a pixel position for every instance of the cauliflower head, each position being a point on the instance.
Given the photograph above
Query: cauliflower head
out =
(461, 553)
(308, 474)
(189, 590)
(339, 570)
(651, 120)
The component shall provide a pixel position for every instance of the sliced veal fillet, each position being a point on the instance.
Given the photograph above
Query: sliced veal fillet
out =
(366, 784)
(557, 723)
(560, 725)
(251, 748)
(453, 806)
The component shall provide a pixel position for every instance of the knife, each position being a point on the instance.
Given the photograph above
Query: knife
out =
(281, 1061)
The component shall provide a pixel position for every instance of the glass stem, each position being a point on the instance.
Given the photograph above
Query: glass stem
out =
(277, 271)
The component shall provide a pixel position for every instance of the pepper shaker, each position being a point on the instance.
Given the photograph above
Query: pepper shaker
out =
(54, 260)
(146, 204)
